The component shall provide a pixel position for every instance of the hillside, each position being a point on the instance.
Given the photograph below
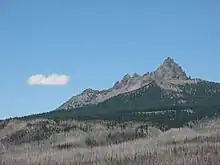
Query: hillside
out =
(167, 86)
(167, 76)
(167, 90)
(139, 114)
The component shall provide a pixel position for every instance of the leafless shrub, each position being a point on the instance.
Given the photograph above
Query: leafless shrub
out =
(176, 155)
(175, 147)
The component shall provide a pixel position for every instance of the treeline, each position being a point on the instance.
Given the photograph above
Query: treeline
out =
(202, 98)
(178, 117)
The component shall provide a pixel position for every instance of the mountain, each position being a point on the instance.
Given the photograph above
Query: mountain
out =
(169, 70)
(167, 76)
(166, 96)
(138, 106)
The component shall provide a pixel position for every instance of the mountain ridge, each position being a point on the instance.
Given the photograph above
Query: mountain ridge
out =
(169, 72)
(139, 97)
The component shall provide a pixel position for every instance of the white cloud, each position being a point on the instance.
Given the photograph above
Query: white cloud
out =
(53, 79)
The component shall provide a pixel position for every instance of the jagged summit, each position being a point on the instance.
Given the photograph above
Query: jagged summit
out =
(135, 75)
(169, 72)
(89, 90)
(169, 60)
(126, 78)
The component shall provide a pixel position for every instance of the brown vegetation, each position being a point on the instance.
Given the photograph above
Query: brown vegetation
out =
(174, 147)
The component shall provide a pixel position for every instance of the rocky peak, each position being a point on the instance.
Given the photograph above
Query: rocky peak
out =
(169, 60)
(123, 82)
(146, 74)
(169, 63)
(135, 75)
(116, 85)
(169, 70)
(89, 90)
(126, 78)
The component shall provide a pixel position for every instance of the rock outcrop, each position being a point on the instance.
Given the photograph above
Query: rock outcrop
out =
(168, 75)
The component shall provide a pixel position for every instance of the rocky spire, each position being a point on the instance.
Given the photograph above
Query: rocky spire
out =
(135, 75)
(169, 70)
(126, 78)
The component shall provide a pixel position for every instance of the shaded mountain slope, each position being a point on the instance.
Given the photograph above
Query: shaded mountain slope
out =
(145, 98)
(168, 73)
(150, 103)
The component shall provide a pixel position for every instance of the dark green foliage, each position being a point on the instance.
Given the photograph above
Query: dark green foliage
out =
(203, 98)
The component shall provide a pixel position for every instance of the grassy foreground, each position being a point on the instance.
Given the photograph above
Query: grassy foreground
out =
(182, 154)
(199, 145)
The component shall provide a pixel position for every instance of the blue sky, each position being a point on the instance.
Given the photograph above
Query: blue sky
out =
(97, 42)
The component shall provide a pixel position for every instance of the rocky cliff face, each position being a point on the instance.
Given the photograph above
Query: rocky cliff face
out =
(169, 70)
(168, 75)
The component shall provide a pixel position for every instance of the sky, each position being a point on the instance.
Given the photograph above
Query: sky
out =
(51, 50)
